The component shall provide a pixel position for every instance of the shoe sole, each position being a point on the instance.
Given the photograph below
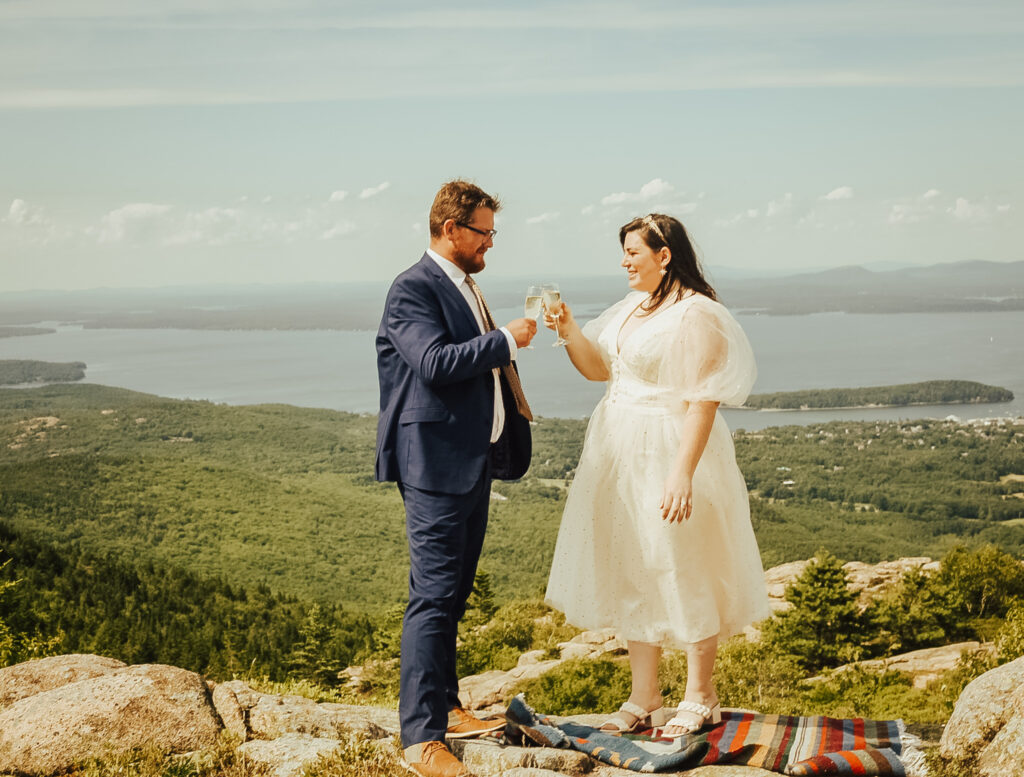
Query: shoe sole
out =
(412, 769)
(477, 733)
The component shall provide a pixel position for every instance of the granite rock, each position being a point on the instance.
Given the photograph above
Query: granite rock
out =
(44, 674)
(151, 705)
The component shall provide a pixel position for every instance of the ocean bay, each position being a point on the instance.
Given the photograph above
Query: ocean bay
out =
(336, 369)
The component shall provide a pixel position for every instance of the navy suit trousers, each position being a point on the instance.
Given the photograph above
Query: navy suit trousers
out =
(446, 533)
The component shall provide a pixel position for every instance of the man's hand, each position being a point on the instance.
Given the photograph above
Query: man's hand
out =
(523, 330)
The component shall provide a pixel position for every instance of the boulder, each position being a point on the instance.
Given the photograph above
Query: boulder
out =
(989, 705)
(1004, 755)
(923, 665)
(486, 759)
(288, 755)
(230, 709)
(44, 674)
(370, 722)
(491, 689)
(160, 706)
(273, 716)
(869, 580)
(873, 580)
(255, 715)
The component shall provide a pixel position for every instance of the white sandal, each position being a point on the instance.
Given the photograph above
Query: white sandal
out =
(708, 716)
(638, 719)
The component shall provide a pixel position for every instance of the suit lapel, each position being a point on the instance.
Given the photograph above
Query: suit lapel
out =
(450, 295)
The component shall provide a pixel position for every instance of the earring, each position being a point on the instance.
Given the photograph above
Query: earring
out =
(664, 272)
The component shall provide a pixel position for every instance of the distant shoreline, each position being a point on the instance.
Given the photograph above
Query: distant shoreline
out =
(869, 406)
(920, 394)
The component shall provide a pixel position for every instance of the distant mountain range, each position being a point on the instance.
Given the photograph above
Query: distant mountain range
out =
(959, 286)
(955, 287)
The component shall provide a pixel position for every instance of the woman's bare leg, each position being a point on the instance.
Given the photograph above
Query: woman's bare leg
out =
(643, 665)
(700, 664)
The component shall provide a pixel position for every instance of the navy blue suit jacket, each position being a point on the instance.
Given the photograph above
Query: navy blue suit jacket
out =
(436, 386)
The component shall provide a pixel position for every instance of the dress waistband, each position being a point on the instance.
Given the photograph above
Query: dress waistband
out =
(637, 394)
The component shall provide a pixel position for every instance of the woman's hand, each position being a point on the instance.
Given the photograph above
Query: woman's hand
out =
(677, 499)
(560, 315)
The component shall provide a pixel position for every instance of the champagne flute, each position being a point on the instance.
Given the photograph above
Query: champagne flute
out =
(552, 298)
(534, 303)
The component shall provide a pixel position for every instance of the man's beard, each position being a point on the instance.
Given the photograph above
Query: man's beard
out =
(469, 263)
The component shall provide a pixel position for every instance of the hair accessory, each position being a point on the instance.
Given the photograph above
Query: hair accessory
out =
(649, 221)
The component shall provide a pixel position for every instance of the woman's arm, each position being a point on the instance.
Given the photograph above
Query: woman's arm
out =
(584, 354)
(677, 499)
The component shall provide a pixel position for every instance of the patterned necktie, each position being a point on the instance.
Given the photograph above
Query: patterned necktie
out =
(508, 370)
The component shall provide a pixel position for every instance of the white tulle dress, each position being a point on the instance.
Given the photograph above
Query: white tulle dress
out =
(617, 563)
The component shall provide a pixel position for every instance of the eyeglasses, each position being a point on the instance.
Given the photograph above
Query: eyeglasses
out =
(485, 232)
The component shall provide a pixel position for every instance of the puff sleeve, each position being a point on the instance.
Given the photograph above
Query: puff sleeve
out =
(708, 357)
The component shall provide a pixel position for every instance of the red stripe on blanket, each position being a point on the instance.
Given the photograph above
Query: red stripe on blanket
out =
(741, 733)
(714, 740)
(856, 767)
(784, 745)
(858, 734)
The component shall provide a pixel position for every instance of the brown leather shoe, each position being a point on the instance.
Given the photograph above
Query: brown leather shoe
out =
(462, 725)
(433, 759)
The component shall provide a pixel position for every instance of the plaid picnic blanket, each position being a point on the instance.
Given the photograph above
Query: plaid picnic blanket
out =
(781, 743)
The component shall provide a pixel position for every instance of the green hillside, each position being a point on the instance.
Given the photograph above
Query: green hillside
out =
(282, 496)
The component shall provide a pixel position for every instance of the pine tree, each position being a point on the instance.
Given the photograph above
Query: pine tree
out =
(823, 627)
(480, 607)
(311, 658)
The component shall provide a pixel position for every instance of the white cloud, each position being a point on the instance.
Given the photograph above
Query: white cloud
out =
(913, 210)
(338, 196)
(372, 191)
(30, 224)
(780, 206)
(967, 212)
(544, 218)
(731, 221)
(21, 214)
(136, 220)
(842, 193)
(212, 226)
(267, 200)
(648, 191)
(340, 229)
(587, 210)
(753, 213)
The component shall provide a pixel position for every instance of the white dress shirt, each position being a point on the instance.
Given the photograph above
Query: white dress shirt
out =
(458, 277)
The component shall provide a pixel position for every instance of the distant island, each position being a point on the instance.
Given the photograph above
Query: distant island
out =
(17, 372)
(21, 331)
(929, 392)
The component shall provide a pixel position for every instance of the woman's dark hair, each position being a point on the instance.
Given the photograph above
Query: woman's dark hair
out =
(683, 271)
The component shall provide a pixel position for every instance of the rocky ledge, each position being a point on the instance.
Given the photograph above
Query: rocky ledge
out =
(57, 712)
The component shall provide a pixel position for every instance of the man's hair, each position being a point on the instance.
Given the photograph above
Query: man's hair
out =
(457, 200)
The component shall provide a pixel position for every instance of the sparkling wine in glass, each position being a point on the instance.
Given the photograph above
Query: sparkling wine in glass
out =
(534, 304)
(552, 297)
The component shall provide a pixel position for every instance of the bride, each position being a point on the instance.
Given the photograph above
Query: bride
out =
(655, 539)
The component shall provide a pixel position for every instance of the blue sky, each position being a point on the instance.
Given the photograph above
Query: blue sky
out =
(156, 143)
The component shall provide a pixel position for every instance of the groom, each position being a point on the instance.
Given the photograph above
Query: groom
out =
(452, 417)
